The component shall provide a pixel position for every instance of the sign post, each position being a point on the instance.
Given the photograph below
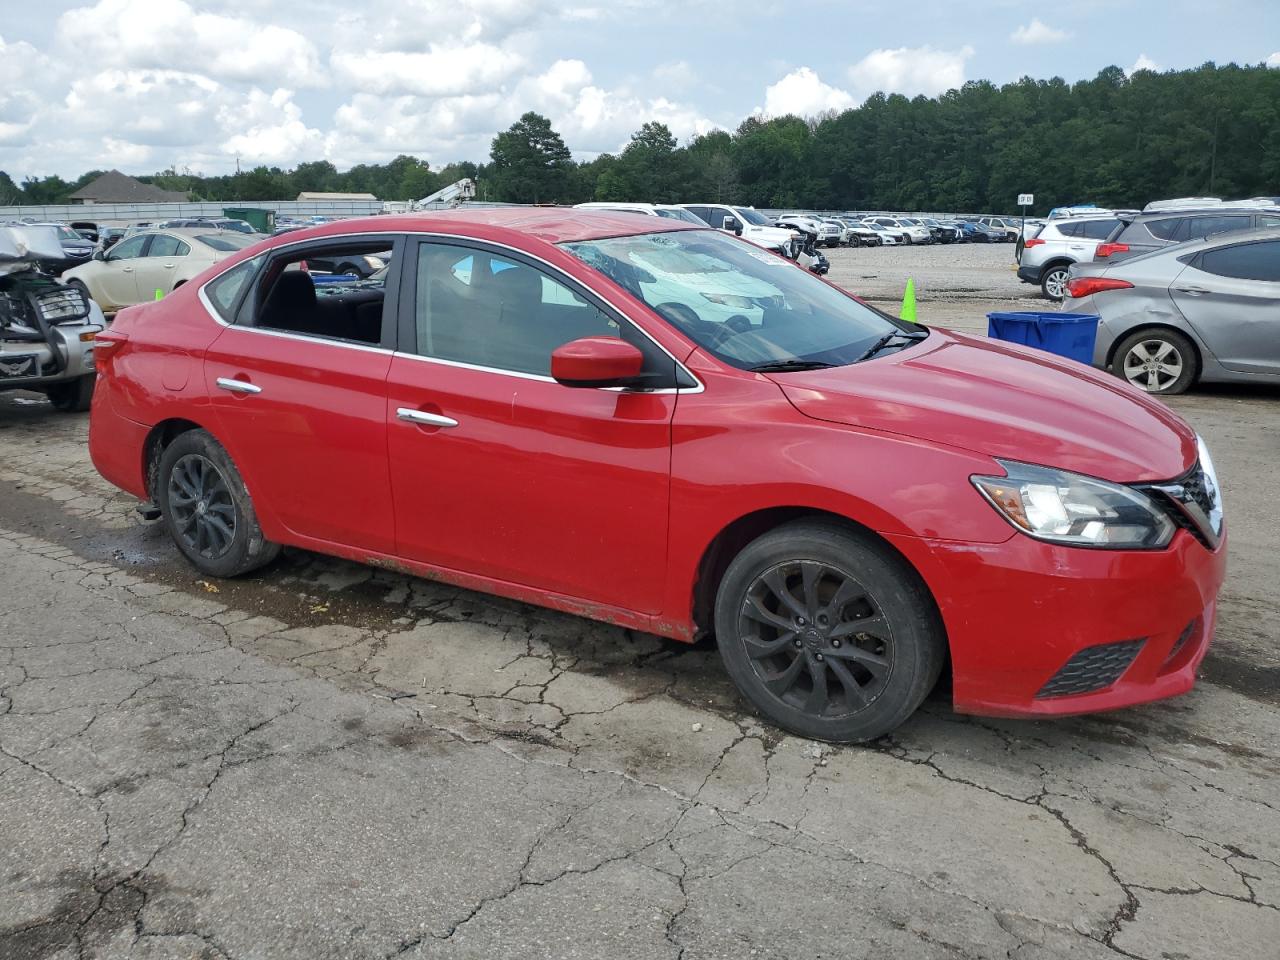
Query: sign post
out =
(1025, 200)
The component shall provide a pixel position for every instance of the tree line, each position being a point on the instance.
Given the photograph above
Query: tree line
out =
(1115, 140)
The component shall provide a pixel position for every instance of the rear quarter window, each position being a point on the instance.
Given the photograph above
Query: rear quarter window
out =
(224, 291)
(1097, 229)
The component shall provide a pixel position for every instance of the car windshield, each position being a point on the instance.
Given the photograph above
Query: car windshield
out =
(240, 226)
(678, 213)
(754, 217)
(740, 303)
(66, 233)
(227, 241)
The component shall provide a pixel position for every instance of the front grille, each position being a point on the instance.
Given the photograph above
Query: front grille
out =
(1092, 669)
(1194, 503)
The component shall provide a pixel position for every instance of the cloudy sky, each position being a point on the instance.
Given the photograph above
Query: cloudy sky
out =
(145, 84)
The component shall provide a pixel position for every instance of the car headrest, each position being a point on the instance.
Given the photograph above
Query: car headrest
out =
(293, 290)
(518, 285)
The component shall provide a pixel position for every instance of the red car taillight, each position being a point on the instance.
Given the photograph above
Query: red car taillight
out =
(1078, 287)
(1107, 249)
(1033, 242)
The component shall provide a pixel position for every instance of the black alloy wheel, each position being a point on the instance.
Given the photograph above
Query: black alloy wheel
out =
(828, 631)
(816, 638)
(203, 511)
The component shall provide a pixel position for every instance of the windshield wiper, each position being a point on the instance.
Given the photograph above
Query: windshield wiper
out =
(779, 366)
(887, 339)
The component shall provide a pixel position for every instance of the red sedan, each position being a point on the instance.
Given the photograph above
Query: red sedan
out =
(664, 427)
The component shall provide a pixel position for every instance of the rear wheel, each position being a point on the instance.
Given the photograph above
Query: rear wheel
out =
(208, 510)
(73, 396)
(1053, 282)
(1159, 361)
(828, 633)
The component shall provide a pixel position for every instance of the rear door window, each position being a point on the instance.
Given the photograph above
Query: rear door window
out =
(1245, 261)
(1097, 229)
(164, 245)
(1198, 227)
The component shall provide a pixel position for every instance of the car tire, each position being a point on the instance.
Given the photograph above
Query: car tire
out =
(222, 538)
(785, 614)
(72, 396)
(1176, 362)
(1053, 282)
(349, 268)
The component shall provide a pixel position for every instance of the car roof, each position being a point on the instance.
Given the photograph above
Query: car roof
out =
(1224, 210)
(549, 224)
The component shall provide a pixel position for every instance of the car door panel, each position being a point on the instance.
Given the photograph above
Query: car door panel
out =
(1238, 319)
(305, 418)
(159, 268)
(561, 489)
(118, 277)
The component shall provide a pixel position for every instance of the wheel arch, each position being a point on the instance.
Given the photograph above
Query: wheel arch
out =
(159, 437)
(1055, 262)
(732, 538)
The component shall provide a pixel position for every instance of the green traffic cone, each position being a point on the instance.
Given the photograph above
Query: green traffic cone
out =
(159, 294)
(908, 311)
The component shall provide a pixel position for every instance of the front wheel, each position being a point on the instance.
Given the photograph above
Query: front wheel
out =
(207, 508)
(1053, 282)
(1157, 361)
(828, 633)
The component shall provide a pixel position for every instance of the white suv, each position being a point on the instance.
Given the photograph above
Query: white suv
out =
(1048, 255)
(747, 223)
(911, 232)
(668, 210)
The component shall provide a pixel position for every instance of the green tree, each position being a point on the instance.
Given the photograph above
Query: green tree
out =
(530, 163)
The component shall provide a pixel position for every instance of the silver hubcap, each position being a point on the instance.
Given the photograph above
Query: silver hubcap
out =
(1054, 284)
(1153, 365)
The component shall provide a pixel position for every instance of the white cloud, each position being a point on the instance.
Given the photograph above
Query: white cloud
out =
(803, 93)
(1274, 59)
(269, 129)
(164, 34)
(911, 70)
(439, 71)
(1142, 63)
(1037, 31)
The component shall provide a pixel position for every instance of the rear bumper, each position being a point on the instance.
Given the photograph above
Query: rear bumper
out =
(1029, 274)
(1018, 612)
(116, 443)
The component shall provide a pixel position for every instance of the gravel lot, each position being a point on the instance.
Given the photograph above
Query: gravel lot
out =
(327, 760)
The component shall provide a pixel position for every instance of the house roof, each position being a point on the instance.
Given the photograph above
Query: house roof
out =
(115, 187)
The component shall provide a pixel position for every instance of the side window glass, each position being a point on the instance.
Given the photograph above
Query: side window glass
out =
(1165, 229)
(1268, 221)
(480, 308)
(1098, 229)
(1207, 226)
(164, 245)
(320, 292)
(224, 291)
(129, 249)
(702, 213)
(1245, 261)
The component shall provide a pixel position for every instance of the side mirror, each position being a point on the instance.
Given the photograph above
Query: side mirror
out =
(99, 255)
(731, 223)
(596, 362)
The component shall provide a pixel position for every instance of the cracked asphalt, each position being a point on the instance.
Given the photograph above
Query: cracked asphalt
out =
(331, 761)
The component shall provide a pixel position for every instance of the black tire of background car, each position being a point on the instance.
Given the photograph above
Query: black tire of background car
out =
(1054, 277)
(1186, 353)
(72, 396)
(918, 637)
(249, 549)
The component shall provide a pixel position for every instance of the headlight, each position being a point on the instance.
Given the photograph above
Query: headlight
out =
(1068, 508)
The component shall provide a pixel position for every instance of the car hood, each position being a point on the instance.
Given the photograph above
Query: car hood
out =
(1009, 402)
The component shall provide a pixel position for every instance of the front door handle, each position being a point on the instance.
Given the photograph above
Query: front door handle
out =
(126, 269)
(1194, 291)
(237, 386)
(424, 419)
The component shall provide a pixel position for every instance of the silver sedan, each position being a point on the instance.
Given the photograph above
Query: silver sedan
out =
(1204, 311)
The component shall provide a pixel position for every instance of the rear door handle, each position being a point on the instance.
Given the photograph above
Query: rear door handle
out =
(410, 415)
(237, 386)
(1194, 291)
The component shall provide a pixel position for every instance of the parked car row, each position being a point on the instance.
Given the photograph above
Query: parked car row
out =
(1089, 234)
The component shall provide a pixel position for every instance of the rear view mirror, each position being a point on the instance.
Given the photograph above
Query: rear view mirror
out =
(596, 362)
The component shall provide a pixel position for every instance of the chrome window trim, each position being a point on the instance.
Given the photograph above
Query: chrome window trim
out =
(208, 305)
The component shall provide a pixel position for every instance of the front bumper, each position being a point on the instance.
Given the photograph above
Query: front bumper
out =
(1018, 612)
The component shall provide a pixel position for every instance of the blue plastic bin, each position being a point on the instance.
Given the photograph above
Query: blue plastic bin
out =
(1069, 335)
